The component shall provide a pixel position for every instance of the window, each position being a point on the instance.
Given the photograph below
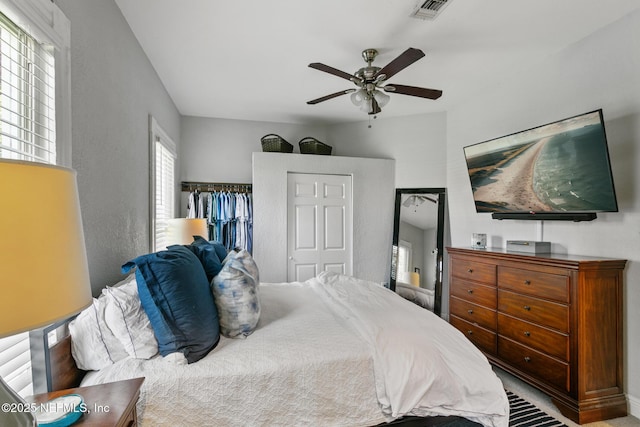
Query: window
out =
(163, 173)
(405, 253)
(27, 98)
(34, 116)
(35, 101)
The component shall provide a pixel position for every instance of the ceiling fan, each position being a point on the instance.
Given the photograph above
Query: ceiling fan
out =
(417, 200)
(372, 81)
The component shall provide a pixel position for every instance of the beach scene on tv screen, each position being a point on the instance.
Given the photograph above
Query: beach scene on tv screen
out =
(559, 167)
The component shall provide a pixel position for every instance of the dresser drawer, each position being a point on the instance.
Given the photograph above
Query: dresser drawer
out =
(472, 270)
(475, 293)
(473, 313)
(483, 339)
(535, 363)
(545, 313)
(550, 342)
(542, 285)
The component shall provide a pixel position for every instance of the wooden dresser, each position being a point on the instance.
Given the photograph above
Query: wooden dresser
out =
(555, 321)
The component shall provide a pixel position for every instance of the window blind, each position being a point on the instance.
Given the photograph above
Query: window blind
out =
(27, 132)
(27, 96)
(164, 190)
(15, 363)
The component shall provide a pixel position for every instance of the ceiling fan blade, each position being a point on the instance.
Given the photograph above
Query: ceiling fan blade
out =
(405, 59)
(409, 201)
(413, 91)
(430, 199)
(331, 96)
(331, 70)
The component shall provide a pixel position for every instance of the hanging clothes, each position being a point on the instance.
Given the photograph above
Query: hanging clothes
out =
(192, 205)
(197, 205)
(228, 215)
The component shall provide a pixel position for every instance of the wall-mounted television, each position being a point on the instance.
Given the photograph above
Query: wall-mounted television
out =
(560, 170)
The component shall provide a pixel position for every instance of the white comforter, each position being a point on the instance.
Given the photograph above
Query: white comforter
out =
(423, 366)
(333, 351)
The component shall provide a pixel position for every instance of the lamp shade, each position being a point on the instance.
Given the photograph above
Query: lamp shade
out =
(180, 231)
(414, 278)
(44, 275)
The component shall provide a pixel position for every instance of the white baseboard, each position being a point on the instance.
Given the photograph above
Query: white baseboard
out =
(634, 406)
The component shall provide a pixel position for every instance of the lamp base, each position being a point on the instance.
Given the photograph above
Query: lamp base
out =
(13, 412)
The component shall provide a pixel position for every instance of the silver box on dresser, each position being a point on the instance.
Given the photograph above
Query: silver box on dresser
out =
(528, 246)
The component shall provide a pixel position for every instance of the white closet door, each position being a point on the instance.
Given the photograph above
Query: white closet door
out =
(320, 225)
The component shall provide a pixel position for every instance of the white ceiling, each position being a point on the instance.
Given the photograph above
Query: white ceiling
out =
(248, 59)
(423, 215)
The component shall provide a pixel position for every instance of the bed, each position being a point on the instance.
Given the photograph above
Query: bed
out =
(331, 351)
(421, 296)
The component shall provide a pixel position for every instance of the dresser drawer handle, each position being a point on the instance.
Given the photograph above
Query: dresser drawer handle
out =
(470, 332)
(527, 333)
(470, 270)
(470, 291)
(526, 307)
(527, 359)
(527, 282)
(470, 311)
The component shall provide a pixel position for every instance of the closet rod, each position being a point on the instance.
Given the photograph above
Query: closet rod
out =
(216, 186)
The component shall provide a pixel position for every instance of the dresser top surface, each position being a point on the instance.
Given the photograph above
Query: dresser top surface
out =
(502, 253)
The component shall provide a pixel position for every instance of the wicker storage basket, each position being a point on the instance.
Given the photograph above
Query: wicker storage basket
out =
(275, 144)
(311, 145)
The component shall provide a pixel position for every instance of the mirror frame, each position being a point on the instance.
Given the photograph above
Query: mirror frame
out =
(441, 193)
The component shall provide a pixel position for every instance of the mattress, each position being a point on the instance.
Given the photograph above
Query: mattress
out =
(314, 361)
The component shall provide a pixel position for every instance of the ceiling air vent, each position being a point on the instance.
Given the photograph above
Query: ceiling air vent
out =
(429, 9)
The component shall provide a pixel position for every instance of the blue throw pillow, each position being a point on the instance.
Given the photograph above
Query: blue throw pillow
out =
(175, 294)
(210, 254)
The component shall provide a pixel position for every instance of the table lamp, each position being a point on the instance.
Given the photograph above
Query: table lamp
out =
(414, 278)
(180, 231)
(44, 275)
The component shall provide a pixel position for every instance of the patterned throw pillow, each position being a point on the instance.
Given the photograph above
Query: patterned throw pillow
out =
(235, 292)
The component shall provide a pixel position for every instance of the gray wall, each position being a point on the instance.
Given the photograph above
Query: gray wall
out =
(601, 71)
(220, 149)
(114, 89)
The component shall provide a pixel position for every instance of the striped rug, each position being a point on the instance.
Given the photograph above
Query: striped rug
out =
(525, 414)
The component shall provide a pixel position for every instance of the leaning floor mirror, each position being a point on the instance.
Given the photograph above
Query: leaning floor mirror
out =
(418, 240)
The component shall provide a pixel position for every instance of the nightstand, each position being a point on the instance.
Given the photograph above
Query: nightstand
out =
(108, 405)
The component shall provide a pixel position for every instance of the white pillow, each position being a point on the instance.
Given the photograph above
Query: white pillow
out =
(114, 327)
(93, 345)
(128, 321)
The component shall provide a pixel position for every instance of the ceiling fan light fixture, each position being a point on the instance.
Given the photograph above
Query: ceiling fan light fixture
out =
(367, 106)
(358, 97)
(381, 97)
